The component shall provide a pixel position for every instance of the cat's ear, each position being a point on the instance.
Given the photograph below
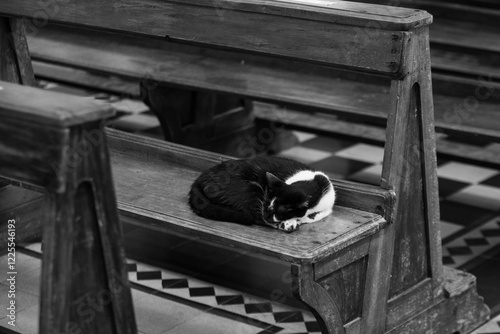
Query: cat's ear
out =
(272, 181)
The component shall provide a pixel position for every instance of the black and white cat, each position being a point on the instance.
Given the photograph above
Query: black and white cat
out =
(279, 192)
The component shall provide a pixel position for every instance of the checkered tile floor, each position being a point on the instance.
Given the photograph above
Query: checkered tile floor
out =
(470, 230)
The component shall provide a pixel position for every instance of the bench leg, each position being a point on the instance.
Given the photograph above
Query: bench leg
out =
(371, 282)
(377, 283)
(317, 299)
(196, 118)
(84, 278)
(15, 60)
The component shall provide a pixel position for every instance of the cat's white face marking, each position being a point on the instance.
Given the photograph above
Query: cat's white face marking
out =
(324, 207)
(271, 205)
(303, 175)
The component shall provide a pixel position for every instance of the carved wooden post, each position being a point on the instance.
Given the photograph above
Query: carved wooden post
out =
(410, 170)
(15, 59)
(58, 142)
(84, 277)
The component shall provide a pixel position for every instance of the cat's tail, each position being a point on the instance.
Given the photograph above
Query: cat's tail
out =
(203, 207)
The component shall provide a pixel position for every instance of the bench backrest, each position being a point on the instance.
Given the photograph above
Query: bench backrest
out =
(357, 36)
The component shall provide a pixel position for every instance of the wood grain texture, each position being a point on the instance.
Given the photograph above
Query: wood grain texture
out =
(346, 13)
(364, 45)
(34, 155)
(341, 259)
(326, 125)
(404, 306)
(468, 309)
(354, 195)
(24, 206)
(142, 178)
(377, 282)
(306, 88)
(345, 287)
(89, 281)
(98, 80)
(48, 108)
(85, 212)
(9, 70)
(409, 168)
(20, 46)
(319, 301)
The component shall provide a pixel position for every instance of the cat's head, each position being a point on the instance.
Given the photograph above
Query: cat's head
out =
(284, 201)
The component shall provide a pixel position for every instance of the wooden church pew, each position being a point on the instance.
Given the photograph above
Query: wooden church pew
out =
(385, 238)
(53, 147)
(119, 64)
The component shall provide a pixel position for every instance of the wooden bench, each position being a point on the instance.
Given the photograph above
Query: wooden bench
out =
(56, 143)
(60, 54)
(384, 238)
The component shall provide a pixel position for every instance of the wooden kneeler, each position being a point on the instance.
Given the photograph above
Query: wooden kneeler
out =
(57, 144)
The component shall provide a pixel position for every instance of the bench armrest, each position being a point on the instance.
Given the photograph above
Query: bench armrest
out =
(34, 105)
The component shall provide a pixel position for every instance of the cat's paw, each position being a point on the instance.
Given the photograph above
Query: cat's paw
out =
(289, 225)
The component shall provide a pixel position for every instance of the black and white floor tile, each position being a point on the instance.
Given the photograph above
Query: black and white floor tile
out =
(168, 302)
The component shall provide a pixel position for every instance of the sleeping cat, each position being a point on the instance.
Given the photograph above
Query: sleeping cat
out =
(278, 192)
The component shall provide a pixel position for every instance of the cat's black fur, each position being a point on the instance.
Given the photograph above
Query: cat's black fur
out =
(241, 191)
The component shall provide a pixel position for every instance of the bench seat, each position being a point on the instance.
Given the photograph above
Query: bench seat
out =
(152, 183)
(223, 72)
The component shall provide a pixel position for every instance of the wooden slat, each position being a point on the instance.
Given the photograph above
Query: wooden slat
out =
(345, 12)
(97, 80)
(353, 195)
(358, 36)
(410, 169)
(465, 34)
(326, 125)
(32, 154)
(154, 191)
(20, 47)
(304, 90)
(48, 108)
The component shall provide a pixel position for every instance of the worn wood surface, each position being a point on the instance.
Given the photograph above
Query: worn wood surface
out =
(322, 34)
(346, 287)
(8, 63)
(82, 239)
(23, 206)
(377, 282)
(328, 125)
(32, 154)
(48, 108)
(305, 88)
(20, 47)
(341, 259)
(346, 13)
(350, 194)
(15, 61)
(319, 301)
(409, 168)
(404, 306)
(88, 78)
(462, 312)
(151, 185)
